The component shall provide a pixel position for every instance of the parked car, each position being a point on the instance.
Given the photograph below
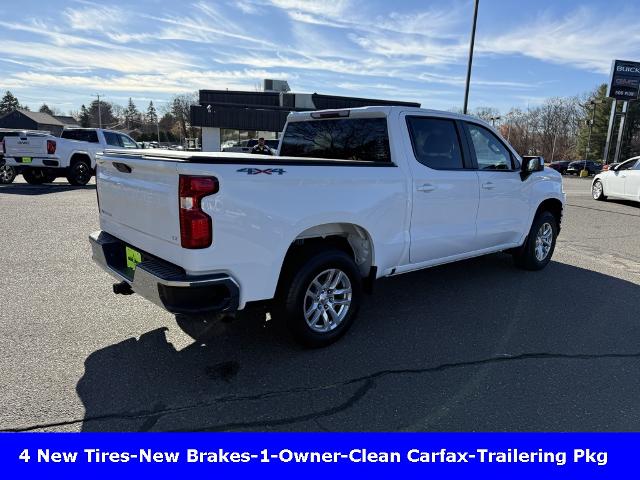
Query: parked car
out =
(343, 204)
(560, 166)
(622, 181)
(592, 167)
(245, 146)
(42, 158)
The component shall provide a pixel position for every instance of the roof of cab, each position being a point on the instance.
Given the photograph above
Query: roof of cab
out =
(377, 111)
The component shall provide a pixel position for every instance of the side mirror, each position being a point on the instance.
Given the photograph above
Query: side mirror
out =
(531, 164)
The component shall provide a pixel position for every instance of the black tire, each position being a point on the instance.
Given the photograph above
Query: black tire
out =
(292, 299)
(597, 191)
(36, 176)
(525, 257)
(79, 173)
(7, 174)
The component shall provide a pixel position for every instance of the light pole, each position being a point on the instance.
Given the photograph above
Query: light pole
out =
(473, 39)
(493, 120)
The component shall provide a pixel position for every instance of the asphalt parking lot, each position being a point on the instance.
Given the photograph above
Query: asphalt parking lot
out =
(477, 345)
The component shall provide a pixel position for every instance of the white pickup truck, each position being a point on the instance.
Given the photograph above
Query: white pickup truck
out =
(43, 158)
(354, 195)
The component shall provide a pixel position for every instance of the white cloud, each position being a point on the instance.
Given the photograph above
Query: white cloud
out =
(323, 8)
(92, 58)
(581, 39)
(175, 82)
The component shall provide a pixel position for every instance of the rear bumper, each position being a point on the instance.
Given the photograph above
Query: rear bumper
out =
(164, 283)
(38, 162)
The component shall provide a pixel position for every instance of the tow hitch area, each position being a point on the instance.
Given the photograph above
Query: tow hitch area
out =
(122, 288)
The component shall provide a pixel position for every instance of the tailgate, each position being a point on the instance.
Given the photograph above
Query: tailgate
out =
(138, 199)
(29, 146)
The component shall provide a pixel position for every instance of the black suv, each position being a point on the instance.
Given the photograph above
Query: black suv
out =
(591, 166)
(560, 166)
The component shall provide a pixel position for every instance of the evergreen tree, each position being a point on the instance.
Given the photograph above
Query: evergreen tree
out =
(131, 115)
(85, 117)
(106, 113)
(599, 127)
(8, 103)
(152, 115)
(45, 109)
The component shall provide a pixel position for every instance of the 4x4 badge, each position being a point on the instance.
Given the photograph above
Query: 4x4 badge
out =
(257, 171)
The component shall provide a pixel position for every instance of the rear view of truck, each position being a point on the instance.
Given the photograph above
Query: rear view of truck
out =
(33, 154)
(214, 232)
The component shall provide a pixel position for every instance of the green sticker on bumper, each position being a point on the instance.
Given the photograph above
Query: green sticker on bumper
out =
(26, 159)
(133, 258)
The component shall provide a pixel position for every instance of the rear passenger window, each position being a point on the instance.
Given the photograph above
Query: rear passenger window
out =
(363, 139)
(491, 154)
(112, 139)
(436, 143)
(81, 135)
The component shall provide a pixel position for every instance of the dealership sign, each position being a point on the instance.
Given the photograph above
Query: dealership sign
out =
(624, 82)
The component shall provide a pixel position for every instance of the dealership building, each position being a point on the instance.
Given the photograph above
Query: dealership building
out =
(226, 116)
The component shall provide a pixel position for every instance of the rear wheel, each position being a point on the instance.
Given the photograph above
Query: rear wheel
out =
(320, 299)
(37, 176)
(7, 174)
(597, 191)
(538, 248)
(79, 173)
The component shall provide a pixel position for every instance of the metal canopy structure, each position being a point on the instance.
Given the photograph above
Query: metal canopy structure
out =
(267, 111)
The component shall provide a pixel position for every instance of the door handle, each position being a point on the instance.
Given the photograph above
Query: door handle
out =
(122, 167)
(427, 187)
(488, 186)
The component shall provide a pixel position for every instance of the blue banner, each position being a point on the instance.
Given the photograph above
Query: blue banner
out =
(316, 455)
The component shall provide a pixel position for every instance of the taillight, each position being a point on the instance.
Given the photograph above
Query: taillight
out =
(51, 147)
(196, 229)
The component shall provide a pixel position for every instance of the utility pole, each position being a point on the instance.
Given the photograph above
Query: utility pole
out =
(99, 111)
(158, 129)
(493, 120)
(553, 150)
(473, 39)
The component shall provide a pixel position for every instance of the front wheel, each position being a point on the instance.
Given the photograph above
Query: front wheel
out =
(538, 248)
(7, 174)
(320, 299)
(597, 191)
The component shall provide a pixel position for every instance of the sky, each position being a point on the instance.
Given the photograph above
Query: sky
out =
(62, 52)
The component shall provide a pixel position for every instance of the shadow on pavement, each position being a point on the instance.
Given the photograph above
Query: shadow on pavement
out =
(477, 345)
(27, 189)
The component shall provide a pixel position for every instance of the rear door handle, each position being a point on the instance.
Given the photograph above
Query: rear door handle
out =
(488, 186)
(122, 167)
(427, 187)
